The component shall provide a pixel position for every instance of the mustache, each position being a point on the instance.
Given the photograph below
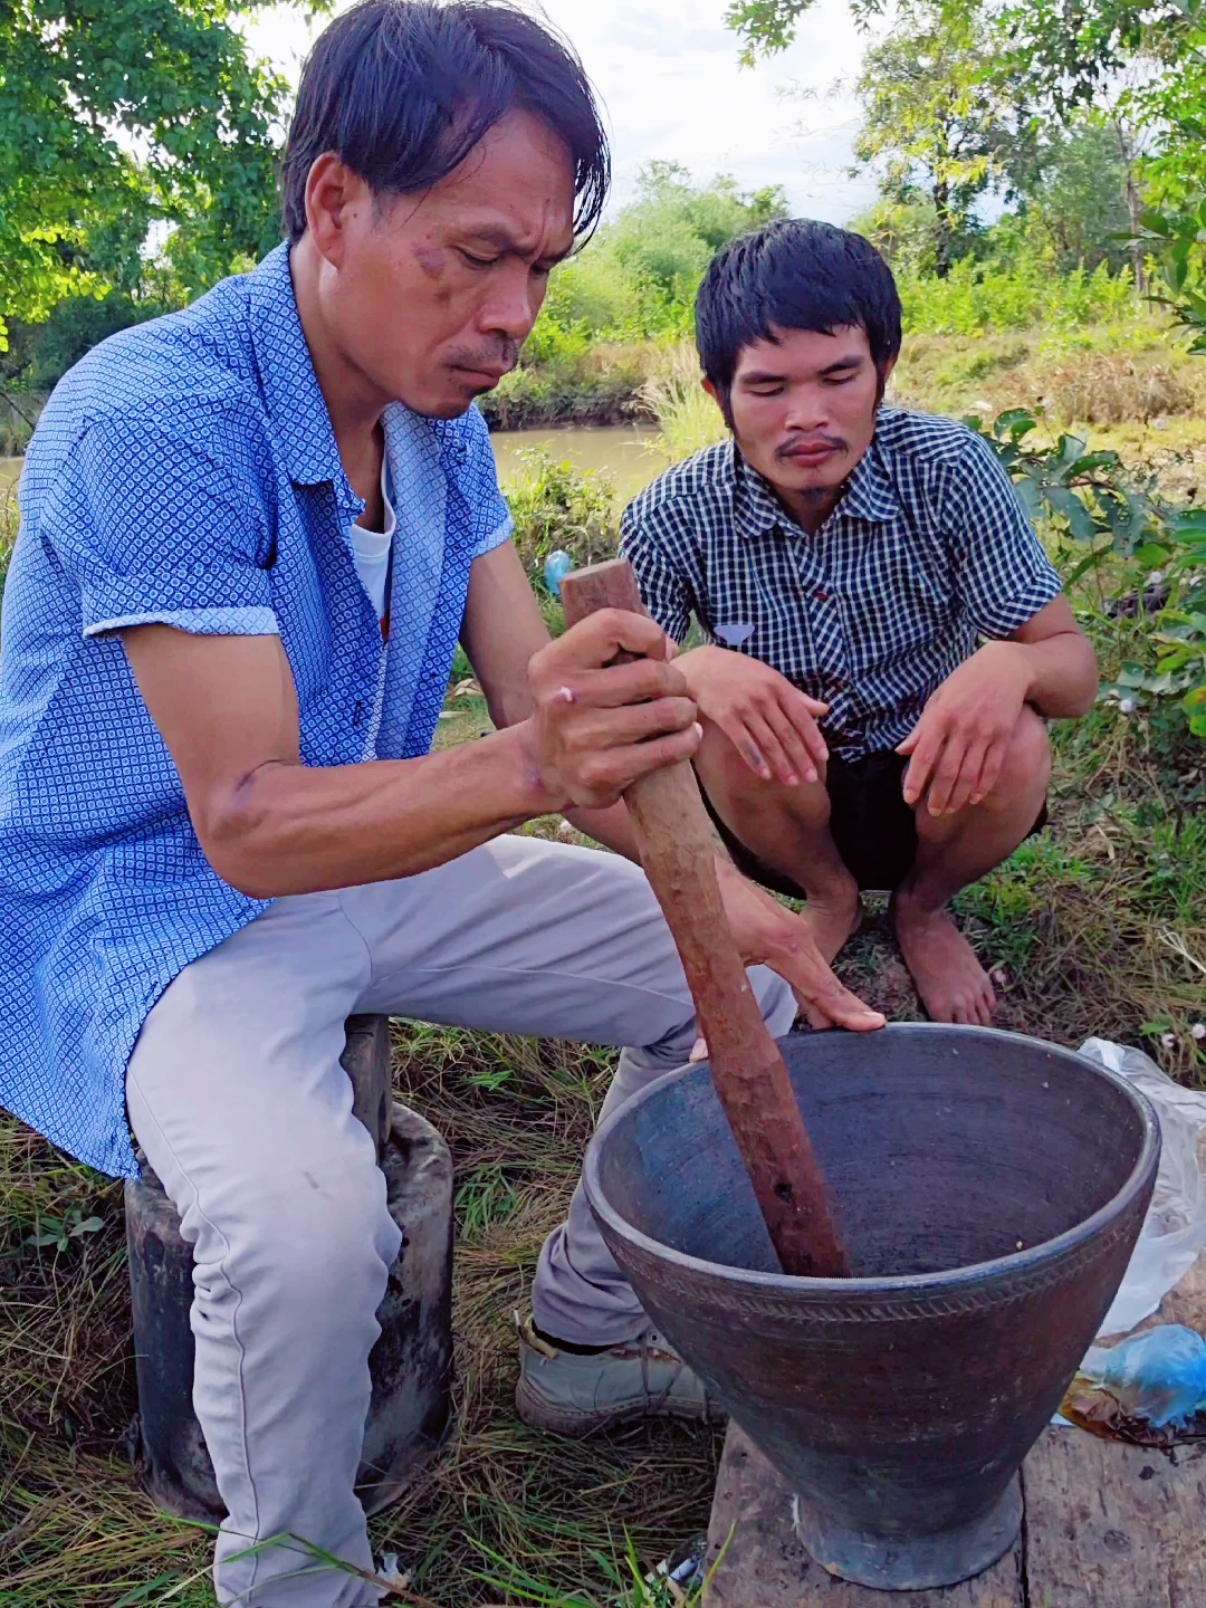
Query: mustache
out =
(794, 443)
(500, 354)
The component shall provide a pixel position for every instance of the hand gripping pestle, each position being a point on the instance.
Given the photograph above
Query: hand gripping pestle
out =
(678, 851)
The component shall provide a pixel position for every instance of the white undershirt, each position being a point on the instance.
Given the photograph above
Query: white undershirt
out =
(371, 551)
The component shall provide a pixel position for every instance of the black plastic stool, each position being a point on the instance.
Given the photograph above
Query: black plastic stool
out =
(410, 1414)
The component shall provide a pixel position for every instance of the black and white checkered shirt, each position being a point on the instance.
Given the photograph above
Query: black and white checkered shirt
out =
(927, 552)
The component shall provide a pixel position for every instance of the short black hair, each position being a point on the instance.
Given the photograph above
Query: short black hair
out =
(402, 90)
(795, 273)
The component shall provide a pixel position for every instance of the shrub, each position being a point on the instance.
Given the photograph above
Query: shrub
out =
(554, 505)
(572, 387)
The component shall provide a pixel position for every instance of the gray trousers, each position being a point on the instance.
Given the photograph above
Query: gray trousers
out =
(236, 1094)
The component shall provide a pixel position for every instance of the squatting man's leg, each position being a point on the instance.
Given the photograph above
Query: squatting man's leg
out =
(788, 829)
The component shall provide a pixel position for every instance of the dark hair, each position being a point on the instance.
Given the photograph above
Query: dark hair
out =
(794, 273)
(402, 90)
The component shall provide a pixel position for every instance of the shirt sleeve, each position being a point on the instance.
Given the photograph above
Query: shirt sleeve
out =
(1003, 574)
(663, 583)
(155, 531)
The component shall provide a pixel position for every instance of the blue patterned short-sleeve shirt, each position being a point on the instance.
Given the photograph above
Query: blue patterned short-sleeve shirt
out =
(928, 551)
(186, 472)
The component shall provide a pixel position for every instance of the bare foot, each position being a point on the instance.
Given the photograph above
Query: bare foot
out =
(832, 916)
(953, 985)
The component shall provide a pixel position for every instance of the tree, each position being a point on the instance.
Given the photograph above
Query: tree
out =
(935, 122)
(118, 113)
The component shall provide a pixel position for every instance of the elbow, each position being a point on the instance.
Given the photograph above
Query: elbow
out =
(244, 869)
(235, 842)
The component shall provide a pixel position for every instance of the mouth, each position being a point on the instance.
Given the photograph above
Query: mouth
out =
(478, 379)
(810, 454)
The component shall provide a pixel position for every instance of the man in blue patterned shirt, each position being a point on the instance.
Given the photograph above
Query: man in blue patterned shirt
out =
(252, 533)
(886, 633)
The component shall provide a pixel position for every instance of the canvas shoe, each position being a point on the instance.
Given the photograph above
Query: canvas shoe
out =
(575, 1395)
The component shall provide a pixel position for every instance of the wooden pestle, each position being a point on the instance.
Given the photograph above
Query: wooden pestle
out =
(678, 851)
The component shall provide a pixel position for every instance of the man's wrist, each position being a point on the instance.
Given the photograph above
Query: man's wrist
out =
(531, 786)
(1019, 654)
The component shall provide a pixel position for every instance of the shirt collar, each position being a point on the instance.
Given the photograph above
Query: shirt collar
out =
(870, 495)
(291, 390)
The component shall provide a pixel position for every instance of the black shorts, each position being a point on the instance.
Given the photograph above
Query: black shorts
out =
(872, 827)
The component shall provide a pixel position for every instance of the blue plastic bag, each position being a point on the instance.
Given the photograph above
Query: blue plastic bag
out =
(556, 567)
(1160, 1375)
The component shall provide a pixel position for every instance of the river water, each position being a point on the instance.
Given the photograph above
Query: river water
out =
(626, 454)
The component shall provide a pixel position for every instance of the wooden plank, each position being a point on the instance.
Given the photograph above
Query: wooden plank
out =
(764, 1566)
(1113, 1526)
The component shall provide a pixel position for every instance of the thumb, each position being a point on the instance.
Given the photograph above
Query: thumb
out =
(910, 742)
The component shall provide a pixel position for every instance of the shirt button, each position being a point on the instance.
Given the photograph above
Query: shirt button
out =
(821, 597)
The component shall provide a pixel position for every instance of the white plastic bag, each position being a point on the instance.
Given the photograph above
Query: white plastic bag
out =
(1174, 1231)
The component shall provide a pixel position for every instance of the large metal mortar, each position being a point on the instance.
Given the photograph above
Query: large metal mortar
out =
(989, 1189)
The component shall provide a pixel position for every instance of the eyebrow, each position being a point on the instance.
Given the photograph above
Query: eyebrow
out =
(840, 365)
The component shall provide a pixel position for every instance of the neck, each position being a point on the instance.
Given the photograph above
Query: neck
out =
(811, 507)
(354, 403)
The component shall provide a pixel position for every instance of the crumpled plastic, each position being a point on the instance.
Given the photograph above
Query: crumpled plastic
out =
(1159, 1375)
(1174, 1231)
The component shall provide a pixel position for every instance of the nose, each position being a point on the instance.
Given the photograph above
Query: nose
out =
(807, 409)
(512, 303)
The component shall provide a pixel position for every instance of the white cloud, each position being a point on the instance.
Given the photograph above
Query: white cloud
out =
(668, 75)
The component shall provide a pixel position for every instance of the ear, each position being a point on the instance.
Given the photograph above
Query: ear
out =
(720, 400)
(335, 196)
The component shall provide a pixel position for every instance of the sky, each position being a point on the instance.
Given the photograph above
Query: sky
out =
(669, 79)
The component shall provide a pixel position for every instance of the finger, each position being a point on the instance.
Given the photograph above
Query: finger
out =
(601, 778)
(588, 730)
(810, 733)
(946, 774)
(990, 770)
(768, 741)
(814, 705)
(801, 766)
(744, 742)
(925, 753)
(595, 641)
(699, 1050)
(635, 682)
(969, 775)
(822, 997)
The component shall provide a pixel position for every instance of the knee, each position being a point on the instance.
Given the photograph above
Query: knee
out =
(1026, 769)
(300, 1238)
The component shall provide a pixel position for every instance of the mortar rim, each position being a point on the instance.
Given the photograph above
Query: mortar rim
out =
(919, 1285)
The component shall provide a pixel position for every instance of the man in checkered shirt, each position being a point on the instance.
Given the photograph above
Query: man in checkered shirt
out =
(886, 636)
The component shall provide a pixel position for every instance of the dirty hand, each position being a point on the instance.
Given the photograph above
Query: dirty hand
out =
(960, 742)
(770, 723)
(768, 934)
(598, 726)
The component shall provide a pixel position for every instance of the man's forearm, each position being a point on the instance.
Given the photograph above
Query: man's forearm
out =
(1063, 675)
(300, 829)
